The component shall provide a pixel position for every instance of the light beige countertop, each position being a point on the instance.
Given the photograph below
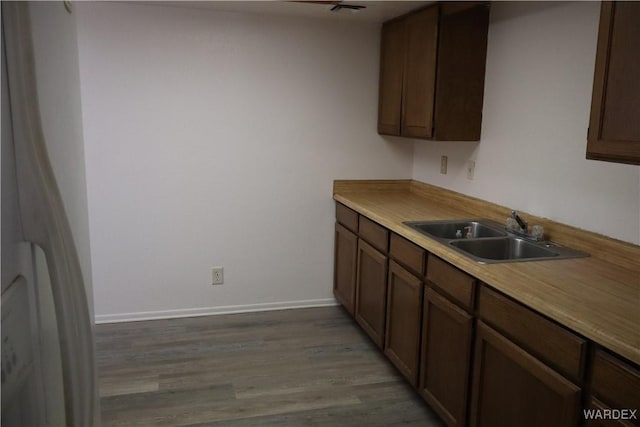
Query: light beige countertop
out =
(597, 297)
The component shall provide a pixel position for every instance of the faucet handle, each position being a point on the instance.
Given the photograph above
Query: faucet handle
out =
(511, 224)
(537, 231)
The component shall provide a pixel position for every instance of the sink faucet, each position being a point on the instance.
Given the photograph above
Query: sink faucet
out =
(522, 223)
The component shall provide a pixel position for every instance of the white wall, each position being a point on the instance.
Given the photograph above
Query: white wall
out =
(56, 61)
(539, 78)
(213, 139)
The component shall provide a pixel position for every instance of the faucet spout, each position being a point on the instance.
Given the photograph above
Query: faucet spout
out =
(522, 223)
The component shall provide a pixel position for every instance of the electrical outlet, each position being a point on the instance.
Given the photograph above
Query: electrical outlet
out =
(443, 165)
(471, 168)
(217, 276)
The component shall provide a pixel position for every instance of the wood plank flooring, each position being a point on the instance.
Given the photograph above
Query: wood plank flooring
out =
(306, 367)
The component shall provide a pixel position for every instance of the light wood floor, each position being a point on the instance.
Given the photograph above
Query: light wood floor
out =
(306, 367)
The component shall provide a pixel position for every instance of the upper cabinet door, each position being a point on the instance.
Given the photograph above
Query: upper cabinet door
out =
(432, 65)
(420, 73)
(462, 53)
(392, 54)
(614, 128)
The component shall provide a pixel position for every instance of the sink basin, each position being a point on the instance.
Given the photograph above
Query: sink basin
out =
(504, 249)
(489, 243)
(448, 229)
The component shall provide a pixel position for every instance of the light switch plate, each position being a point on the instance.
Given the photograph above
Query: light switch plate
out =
(443, 165)
(471, 169)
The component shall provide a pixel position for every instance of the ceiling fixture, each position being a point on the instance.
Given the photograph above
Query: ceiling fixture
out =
(337, 5)
(351, 7)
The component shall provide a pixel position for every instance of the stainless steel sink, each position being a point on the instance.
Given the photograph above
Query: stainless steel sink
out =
(458, 229)
(504, 249)
(487, 241)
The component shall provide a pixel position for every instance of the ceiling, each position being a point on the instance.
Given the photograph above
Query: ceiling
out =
(375, 11)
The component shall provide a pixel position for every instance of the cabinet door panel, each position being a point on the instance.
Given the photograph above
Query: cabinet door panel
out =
(513, 388)
(445, 357)
(392, 56)
(371, 291)
(614, 128)
(344, 268)
(420, 73)
(404, 320)
(462, 52)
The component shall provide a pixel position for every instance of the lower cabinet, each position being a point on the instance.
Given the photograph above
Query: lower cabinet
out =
(615, 392)
(513, 388)
(447, 332)
(371, 291)
(404, 319)
(344, 273)
(477, 356)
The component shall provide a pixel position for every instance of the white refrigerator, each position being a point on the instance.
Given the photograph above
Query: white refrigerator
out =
(48, 367)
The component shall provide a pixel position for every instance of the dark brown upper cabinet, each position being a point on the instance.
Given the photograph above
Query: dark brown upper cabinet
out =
(614, 126)
(432, 65)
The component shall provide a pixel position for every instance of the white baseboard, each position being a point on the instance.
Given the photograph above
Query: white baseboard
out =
(209, 311)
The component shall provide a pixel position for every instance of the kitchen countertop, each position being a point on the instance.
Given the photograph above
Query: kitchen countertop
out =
(597, 297)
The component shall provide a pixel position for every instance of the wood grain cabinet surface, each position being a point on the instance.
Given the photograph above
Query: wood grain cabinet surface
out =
(447, 333)
(344, 267)
(374, 234)
(432, 66)
(614, 127)
(371, 291)
(450, 281)
(615, 384)
(392, 54)
(546, 340)
(347, 217)
(345, 253)
(404, 320)
(513, 388)
(407, 254)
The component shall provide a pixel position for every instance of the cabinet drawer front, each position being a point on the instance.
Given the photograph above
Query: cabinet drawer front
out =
(453, 282)
(347, 217)
(615, 383)
(375, 234)
(408, 254)
(548, 341)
